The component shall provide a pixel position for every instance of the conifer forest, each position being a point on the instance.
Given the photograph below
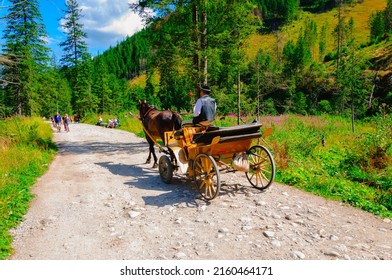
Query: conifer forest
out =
(264, 57)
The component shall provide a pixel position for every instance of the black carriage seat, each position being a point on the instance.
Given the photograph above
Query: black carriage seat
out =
(227, 134)
(204, 126)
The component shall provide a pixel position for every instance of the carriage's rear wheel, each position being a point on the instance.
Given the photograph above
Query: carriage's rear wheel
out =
(261, 172)
(206, 176)
(165, 169)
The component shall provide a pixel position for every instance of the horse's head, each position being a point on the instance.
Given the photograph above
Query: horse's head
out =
(144, 108)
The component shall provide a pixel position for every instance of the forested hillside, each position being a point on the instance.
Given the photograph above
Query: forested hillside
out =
(259, 57)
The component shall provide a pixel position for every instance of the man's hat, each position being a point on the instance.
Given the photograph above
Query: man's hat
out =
(205, 88)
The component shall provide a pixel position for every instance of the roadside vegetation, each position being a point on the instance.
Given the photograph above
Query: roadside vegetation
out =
(322, 155)
(26, 149)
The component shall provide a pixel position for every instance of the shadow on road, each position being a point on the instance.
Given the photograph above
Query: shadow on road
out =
(88, 147)
(179, 191)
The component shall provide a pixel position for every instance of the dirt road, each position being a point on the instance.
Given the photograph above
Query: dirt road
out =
(99, 200)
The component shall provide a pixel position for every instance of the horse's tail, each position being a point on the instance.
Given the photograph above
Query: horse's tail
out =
(177, 120)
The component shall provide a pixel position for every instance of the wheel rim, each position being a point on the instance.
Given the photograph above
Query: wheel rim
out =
(261, 172)
(165, 169)
(206, 176)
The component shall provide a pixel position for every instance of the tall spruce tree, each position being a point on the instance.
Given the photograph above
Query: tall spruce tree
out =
(74, 46)
(101, 87)
(74, 58)
(26, 51)
(388, 16)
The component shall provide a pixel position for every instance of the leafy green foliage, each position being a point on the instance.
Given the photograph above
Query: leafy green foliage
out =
(74, 46)
(27, 57)
(321, 155)
(286, 9)
(129, 121)
(26, 148)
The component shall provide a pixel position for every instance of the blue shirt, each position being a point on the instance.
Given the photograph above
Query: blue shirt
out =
(57, 119)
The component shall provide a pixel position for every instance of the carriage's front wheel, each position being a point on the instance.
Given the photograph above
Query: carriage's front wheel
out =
(206, 176)
(261, 172)
(165, 169)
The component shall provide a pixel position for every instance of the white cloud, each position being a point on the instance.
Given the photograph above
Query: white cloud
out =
(108, 22)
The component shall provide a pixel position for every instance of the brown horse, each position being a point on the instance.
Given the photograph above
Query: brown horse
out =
(156, 123)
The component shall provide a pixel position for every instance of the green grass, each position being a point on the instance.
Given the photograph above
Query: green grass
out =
(321, 155)
(128, 121)
(26, 149)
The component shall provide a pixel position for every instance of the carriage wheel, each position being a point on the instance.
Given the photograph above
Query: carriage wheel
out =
(261, 172)
(206, 176)
(165, 169)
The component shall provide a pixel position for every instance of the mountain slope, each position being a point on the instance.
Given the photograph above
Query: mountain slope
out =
(359, 12)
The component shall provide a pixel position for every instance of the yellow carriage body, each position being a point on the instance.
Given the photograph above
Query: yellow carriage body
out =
(189, 142)
(199, 152)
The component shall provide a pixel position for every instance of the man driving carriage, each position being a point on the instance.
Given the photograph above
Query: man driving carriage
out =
(205, 107)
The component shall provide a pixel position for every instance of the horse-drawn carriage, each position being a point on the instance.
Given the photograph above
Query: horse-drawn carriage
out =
(204, 152)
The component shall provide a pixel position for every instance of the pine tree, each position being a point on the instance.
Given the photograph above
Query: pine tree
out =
(388, 16)
(377, 25)
(323, 42)
(101, 88)
(83, 98)
(27, 53)
(75, 59)
(74, 46)
(310, 36)
(353, 82)
(340, 33)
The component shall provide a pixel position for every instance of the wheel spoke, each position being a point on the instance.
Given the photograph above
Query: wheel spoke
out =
(262, 171)
(265, 171)
(209, 190)
(202, 184)
(206, 176)
(199, 166)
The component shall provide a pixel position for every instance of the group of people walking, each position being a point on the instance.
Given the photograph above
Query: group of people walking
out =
(58, 121)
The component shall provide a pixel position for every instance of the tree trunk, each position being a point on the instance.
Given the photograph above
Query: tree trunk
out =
(204, 46)
(239, 96)
(196, 39)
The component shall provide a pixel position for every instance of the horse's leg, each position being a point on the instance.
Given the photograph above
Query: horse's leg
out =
(150, 148)
(152, 152)
(149, 156)
(155, 165)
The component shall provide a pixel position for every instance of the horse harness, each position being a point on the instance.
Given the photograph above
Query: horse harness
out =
(151, 108)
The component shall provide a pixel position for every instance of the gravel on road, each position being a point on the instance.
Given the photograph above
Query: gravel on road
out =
(99, 200)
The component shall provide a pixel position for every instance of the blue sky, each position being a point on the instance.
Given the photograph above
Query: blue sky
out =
(106, 22)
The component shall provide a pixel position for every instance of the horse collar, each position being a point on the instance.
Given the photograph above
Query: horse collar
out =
(148, 111)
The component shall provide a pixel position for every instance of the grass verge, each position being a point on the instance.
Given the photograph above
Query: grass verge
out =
(26, 149)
